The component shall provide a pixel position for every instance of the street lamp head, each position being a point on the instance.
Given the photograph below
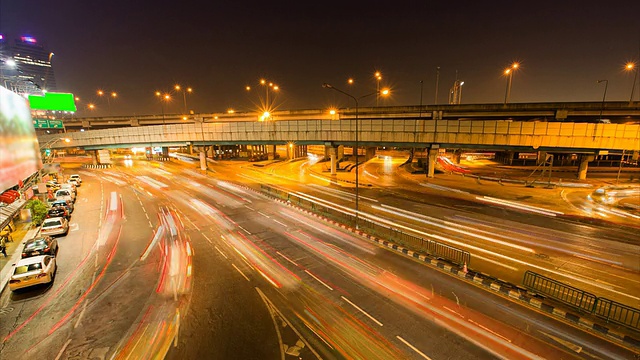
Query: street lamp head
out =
(276, 87)
(332, 111)
(91, 106)
(76, 98)
(507, 71)
(350, 81)
(158, 93)
(189, 90)
(630, 66)
(113, 94)
(327, 86)
(515, 65)
(100, 92)
(167, 97)
(263, 81)
(248, 88)
(601, 81)
(177, 87)
(385, 92)
(461, 83)
(67, 140)
(378, 75)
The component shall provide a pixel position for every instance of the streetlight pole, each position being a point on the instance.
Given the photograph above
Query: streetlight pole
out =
(630, 67)
(378, 78)
(357, 142)
(184, 96)
(509, 72)
(435, 102)
(604, 95)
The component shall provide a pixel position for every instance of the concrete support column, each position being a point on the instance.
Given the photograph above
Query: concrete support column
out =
(94, 157)
(191, 149)
(456, 156)
(333, 155)
(584, 165)
(165, 151)
(431, 161)
(542, 157)
(271, 152)
(203, 160)
(370, 154)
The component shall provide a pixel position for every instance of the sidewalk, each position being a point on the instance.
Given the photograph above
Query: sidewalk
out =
(14, 251)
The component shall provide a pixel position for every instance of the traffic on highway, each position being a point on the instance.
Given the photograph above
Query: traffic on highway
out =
(159, 256)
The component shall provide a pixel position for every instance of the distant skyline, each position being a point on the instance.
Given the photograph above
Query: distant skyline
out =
(138, 48)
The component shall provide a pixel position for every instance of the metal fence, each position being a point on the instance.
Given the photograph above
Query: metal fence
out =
(606, 309)
(431, 247)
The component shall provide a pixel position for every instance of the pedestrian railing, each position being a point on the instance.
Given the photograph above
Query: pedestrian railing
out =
(606, 309)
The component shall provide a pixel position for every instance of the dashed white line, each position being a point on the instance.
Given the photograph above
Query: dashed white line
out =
(283, 224)
(64, 347)
(289, 260)
(240, 271)
(245, 230)
(489, 330)
(453, 311)
(320, 281)
(220, 251)
(150, 224)
(250, 208)
(362, 311)
(206, 237)
(263, 214)
(413, 348)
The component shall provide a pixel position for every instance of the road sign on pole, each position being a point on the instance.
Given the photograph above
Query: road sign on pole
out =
(47, 124)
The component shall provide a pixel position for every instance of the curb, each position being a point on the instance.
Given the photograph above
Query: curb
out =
(505, 289)
(15, 257)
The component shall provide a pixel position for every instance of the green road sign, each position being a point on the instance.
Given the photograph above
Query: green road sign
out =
(47, 124)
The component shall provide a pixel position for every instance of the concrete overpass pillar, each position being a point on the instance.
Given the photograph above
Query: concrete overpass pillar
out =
(190, 149)
(431, 158)
(542, 157)
(370, 154)
(94, 157)
(333, 155)
(271, 152)
(165, 151)
(456, 156)
(203, 160)
(584, 165)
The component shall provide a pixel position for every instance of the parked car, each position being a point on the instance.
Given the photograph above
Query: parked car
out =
(66, 203)
(71, 188)
(33, 271)
(77, 178)
(55, 226)
(58, 211)
(74, 182)
(64, 194)
(45, 245)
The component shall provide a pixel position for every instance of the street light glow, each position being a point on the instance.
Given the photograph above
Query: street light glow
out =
(91, 106)
(630, 66)
(350, 81)
(100, 92)
(263, 81)
(113, 94)
(276, 88)
(167, 97)
(10, 63)
(332, 112)
(67, 140)
(385, 92)
(248, 88)
(158, 93)
(177, 87)
(515, 65)
(230, 111)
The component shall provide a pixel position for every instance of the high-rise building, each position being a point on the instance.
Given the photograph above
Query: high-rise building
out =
(25, 66)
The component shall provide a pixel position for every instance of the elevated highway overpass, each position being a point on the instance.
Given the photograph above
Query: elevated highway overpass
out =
(616, 112)
(587, 139)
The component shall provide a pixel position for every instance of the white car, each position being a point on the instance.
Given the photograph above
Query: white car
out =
(33, 271)
(65, 194)
(73, 182)
(71, 187)
(77, 178)
(55, 226)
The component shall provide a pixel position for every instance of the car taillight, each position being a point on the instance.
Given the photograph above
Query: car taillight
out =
(46, 249)
(41, 275)
(13, 281)
(24, 255)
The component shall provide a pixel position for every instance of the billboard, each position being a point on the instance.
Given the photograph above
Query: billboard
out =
(53, 101)
(19, 155)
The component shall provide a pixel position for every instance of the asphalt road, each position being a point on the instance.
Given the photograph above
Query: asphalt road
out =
(267, 282)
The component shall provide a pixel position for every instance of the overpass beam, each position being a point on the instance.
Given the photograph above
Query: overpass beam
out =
(584, 165)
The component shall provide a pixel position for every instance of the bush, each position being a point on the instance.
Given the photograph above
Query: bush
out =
(38, 211)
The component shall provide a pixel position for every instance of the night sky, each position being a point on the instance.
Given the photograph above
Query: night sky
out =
(219, 47)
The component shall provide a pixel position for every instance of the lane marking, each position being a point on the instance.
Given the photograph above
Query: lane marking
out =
(281, 223)
(453, 311)
(489, 330)
(320, 281)
(263, 214)
(289, 260)
(362, 311)
(413, 347)
(250, 208)
(220, 251)
(245, 230)
(150, 225)
(240, 271)
(64, 347)
(206, 237)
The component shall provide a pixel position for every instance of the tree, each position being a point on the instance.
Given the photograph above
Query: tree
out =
(38, 211)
